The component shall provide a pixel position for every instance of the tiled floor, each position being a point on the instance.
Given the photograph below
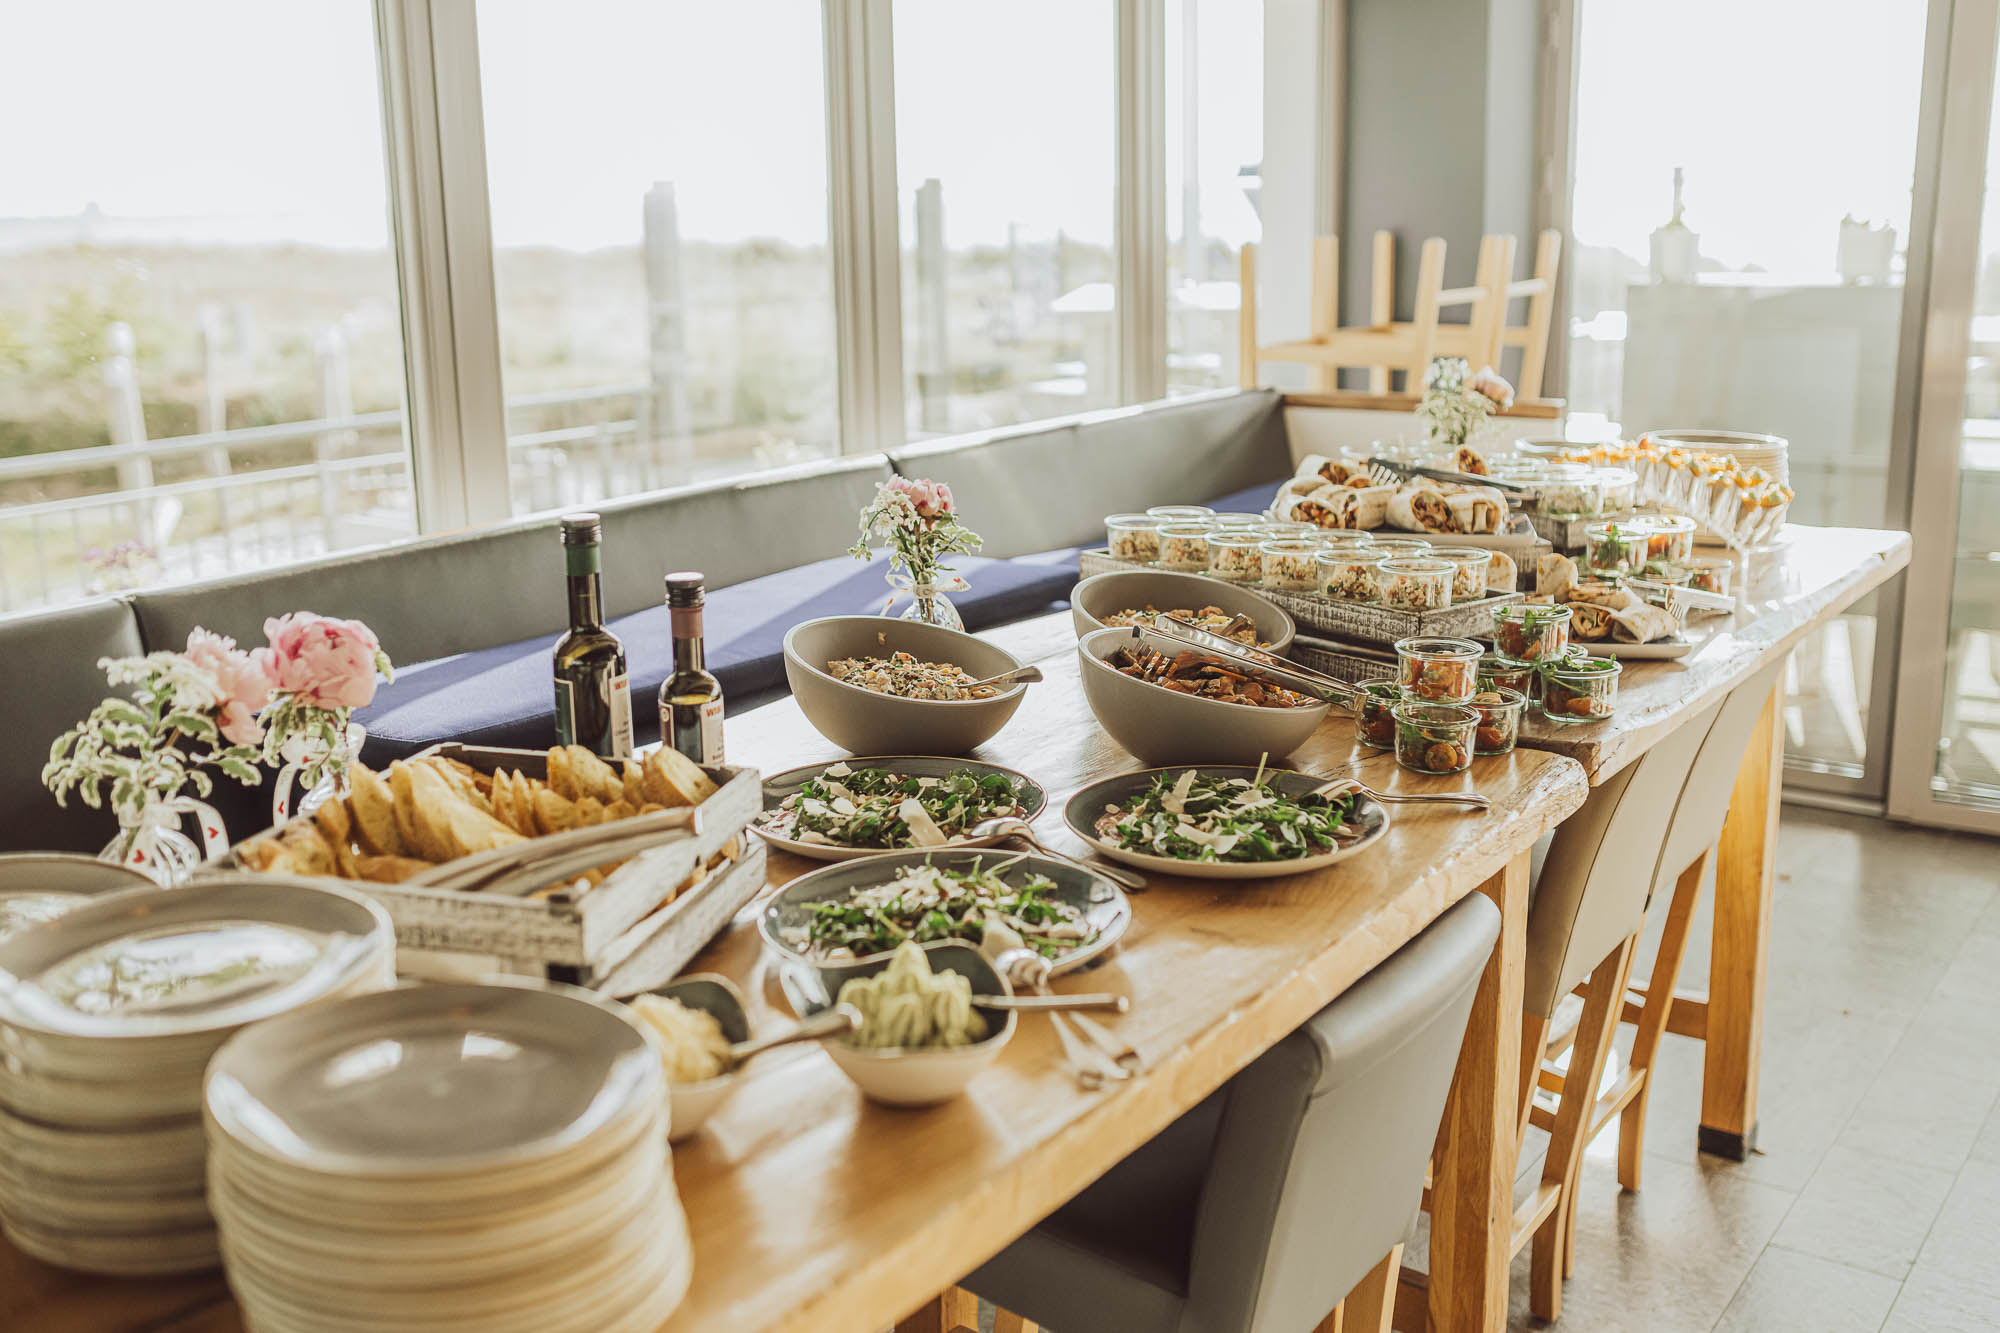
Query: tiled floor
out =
(1875, 1201)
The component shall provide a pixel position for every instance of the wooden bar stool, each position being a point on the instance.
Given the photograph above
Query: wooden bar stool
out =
(1379, 347)
(1485, 337)
(1280, 1203)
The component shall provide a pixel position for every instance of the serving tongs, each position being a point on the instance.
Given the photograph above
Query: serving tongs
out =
(1252, 662)
(1678, 599)
(1388, 472)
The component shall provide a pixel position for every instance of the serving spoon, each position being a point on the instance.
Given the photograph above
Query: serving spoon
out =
(837, 1021)
(1348, 786)
(1026, 675)
(1012, 826)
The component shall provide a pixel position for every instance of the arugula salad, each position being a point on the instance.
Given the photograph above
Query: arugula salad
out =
(1190, 816)
(928, 902)
(873, 807)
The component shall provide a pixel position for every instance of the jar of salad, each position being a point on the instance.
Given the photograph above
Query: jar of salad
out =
(1184, 546)
(1468, 571)
(1499, 720)
(1530, 633)
(1402, 548)
(1235, 554)
(1375, 714)
(1497, 673)
(1434, 738)
(1174, 512)
(1346, 539)
(1229, 522)
(1276, 530)
(1580, 689)
(1571, 490)
(1670, 572)
(1349, 574)
(1621, 488)
(1133, 537)
(1614, 548)
(1416, 584)
(1288, 564)
(1710, 574)
(1438, 670)
(1670, 537)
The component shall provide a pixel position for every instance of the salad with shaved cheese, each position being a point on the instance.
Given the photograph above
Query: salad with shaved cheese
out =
(1192, 816)
(875, 808)
(928, 902)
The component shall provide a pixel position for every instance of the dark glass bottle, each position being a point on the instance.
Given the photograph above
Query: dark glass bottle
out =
(593, 694)
(691, 700)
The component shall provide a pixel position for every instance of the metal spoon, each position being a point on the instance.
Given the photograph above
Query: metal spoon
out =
(1038, 1004)
(1027, 675)
(838, 1021)
(1008, 826)
(1344, 786)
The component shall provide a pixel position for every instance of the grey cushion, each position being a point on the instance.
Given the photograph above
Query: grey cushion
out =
(444, 595)
(1040, 487)
(52, 683)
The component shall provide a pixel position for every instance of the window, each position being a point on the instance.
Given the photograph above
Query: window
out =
(1215, 145)
(201, 363)
(659, 208)
(1005, 159)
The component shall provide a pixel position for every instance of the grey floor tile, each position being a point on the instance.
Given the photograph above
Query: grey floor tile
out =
(1987, 1147)
(1933, 1301)
(1975, 973)
(1789, 1292)
(1965, 1238)
(1866, 1212)
(1954, 1036)
(1920, 1118)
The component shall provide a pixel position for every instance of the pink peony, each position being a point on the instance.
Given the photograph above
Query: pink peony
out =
(932, 499)
(321, 661)
(243, 684)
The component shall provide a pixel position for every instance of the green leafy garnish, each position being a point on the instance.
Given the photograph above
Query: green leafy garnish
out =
(928, 902)
(868, 807)
(1190, 816)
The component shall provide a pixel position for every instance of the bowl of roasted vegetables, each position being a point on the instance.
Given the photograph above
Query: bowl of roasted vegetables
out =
(1125, 597)
(890, 803)
(1168, 703)
(1224, 821)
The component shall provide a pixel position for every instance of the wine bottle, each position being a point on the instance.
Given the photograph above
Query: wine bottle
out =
(691, 700)
(593, 694)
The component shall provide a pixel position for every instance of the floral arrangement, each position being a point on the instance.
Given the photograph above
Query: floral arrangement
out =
(919, 521)
(215, 706)
(1457, 403)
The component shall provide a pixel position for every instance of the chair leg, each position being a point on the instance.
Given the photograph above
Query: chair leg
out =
(1247, 369)
(1653, 1016)
(1006, 1321)
(1534, 1037)
(953, 1310)
(1371, 1306)
(1382, 302)
(1325, 306)
(1601, 1008)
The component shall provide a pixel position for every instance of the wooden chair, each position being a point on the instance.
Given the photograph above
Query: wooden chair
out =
(1485, 337)
(1380, 347)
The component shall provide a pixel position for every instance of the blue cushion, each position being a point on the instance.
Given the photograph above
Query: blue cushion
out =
(1255, 500)
(503, 696)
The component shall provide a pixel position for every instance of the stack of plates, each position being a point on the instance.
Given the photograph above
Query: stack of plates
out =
(108, 1016)
(484, 1158)
(1768, 452)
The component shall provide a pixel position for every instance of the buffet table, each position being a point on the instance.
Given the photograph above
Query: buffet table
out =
(812, 1209)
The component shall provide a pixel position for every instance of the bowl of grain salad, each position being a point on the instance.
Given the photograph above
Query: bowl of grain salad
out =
(879, 686)
(1118, 598)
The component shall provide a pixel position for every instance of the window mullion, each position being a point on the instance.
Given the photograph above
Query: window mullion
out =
(1140, 224)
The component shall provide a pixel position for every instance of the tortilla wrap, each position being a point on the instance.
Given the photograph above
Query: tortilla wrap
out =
(1475, 508)
(1324, 469)
(1421, 506)
(1555, 575)
(1643, 623)
(1465, 458)
(1321, 507)
(1500, 572)
(1597, 592)
(1359, 507)
(1587, 623)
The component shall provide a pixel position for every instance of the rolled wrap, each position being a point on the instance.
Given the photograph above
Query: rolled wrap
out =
(1420, 506)
(1589, 624)
(1326, 469)
(1644, 623)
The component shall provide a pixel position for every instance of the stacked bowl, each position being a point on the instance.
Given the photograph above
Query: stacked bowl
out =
(484, 1158)
(108, 1016)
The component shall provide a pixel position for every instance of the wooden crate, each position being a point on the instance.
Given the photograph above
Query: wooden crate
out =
(1355, 620)
(620, 928)
(1343, 661)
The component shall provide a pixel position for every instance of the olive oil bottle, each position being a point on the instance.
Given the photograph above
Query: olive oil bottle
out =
(593, 692)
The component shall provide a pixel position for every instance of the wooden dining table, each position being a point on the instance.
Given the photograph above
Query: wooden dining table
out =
(811, 1208)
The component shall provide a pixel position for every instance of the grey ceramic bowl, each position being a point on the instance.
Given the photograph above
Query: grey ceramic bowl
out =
(865, 722)
(1161, 727)
(694, 1103)
(1103, 595)
(37, 886)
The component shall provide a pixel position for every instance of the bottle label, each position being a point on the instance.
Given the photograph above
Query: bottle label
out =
(565, 712)
(621, 717)
(711, 733)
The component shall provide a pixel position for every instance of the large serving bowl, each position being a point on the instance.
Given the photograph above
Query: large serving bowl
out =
(1103, 595)
(1162, 727)
(865, 722)
(38, 886)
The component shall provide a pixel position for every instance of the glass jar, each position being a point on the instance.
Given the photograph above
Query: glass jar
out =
(1236, 522)
(1546, 451)
(1670, 537)
(1346, 539)
(1621, 488)
(1442, 671)
(1402, 548)
(1349, 574)
(1580, 689)
(1468, 571)
(1710, 574)
(1174, 512)
(1615, 548)
(1670, 572)
(1499, 720)
(1531, 633)
(1416, 585)
(1282, 530)
(1497, 673)
(1571, 491)
(1434, 738)
(1288, 564)
(1184, 546)
(1375, 714)
(1233, 555)
(1134, 537)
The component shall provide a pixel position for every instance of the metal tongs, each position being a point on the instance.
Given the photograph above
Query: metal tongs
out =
(1678, 599)
(1407, 470)
(1267, 667)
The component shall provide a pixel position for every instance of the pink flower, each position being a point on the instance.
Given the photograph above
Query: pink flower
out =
(322, 661)
(243, 684)
(1489, 383)
(932, 499)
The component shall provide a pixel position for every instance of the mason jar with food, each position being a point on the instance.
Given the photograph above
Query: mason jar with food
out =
(1288, 564)
(1402, 548)
(1416, 585)
(1434, 738)
(1438, 670)
(1134, 537)
(1499, 720)
(1709, 574)
(1234, 554)
(1375, 714)
(1173, 513)
(1614, 548)
(1570, 491)
(1670, 537)
(1530, 633)
(1184, 546)
(1468, 571)
(1580, 689)
(1350, 574)
(1497, 673)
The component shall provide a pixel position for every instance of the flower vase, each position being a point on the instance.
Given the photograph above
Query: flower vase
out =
(151, 839)
(301, 754)
(928, 603)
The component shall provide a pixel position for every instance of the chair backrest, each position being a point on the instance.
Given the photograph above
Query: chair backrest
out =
(1598, 877)
(1704, 802)
(1318, 1163)
(1379, 347)
(1486, 335)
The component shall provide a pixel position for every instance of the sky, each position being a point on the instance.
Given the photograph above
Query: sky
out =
(255, 120)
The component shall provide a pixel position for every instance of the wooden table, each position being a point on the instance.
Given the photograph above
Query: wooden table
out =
(1786, 595)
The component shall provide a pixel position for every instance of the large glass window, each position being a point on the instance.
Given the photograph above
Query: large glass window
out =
(1214, 151)
(659, 208)
(201, 362)
(1005, 162)
(1766, 293)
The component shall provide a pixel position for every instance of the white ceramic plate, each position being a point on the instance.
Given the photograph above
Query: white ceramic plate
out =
(1678, 645)
(780, 785)
(434, 1081)
(1084, 809)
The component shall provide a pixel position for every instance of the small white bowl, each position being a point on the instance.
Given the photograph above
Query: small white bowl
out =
(691, 1104)
(926, 1076)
